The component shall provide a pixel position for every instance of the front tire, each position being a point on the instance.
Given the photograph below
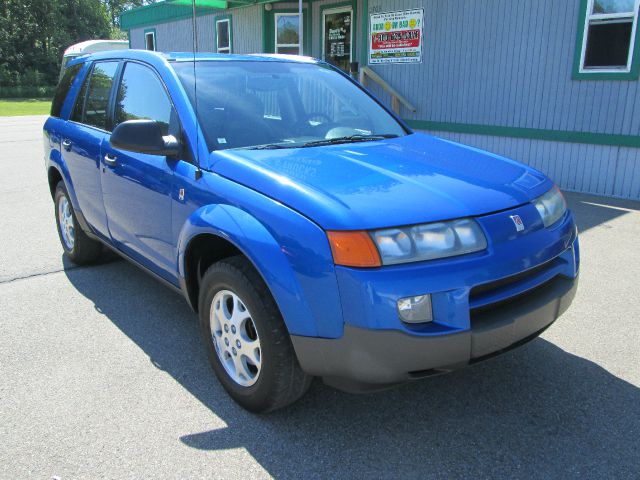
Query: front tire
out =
(80, 249)
(246, 340)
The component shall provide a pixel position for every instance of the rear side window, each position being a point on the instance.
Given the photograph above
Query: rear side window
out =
(96, 104)
(63, 88)
(78, 108)
(141, 95)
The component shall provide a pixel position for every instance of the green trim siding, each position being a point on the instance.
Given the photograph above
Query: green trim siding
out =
(164, 12)
(364, 49)
(263, 16)
(529, 133)
(634, 72)
(216, 19)
(159, 13)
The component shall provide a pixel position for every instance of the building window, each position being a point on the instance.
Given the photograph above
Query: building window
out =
(150, 40)
(287, 33)
(608, 38)
(223, 36)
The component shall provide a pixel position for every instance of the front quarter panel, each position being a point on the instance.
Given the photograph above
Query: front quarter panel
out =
(290, 252)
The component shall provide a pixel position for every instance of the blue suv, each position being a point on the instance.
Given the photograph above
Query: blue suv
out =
(312, 231)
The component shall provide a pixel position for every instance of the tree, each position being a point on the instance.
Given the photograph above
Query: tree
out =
(116, 7)
(35, 33)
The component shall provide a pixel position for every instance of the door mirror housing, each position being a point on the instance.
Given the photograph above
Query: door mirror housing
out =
(144, 136)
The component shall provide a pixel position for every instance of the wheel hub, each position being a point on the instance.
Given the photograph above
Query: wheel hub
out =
(235, 338)
(65, 223)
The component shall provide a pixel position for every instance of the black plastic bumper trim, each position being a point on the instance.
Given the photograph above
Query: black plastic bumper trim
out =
(364, 359)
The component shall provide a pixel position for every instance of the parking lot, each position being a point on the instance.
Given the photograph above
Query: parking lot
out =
(103, 374)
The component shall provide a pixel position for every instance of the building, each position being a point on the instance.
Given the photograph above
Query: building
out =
(552, 83)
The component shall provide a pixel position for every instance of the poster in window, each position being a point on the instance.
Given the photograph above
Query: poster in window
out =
(337, 39)
(396, 37)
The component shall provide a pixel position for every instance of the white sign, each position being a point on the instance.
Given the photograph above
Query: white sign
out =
(396, 37)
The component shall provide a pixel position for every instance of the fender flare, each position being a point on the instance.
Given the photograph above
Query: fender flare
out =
(254, 240)
(55, 161)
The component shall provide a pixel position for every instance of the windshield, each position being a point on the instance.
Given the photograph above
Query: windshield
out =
(267, 104)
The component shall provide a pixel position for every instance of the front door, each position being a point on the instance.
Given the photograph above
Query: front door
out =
(337, 37)
(137, 187)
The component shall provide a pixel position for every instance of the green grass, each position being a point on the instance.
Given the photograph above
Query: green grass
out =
(12, 107)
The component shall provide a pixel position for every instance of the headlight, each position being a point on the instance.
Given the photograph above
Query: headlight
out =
(429, 241)
(551, 206)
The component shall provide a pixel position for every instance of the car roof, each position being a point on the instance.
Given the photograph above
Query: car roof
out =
(152, 57)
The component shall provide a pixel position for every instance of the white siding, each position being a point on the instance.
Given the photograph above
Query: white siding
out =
(178, 37)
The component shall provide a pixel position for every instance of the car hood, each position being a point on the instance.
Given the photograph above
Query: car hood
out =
(413, 179)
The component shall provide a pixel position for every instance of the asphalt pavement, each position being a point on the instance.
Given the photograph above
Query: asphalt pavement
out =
(102, 374)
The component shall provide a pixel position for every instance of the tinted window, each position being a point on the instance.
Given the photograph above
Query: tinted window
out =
(63, 89)
(96, 105)
(78, 108)
(142, 95)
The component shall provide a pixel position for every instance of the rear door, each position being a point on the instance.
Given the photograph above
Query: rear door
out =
(82, 138)
(136, 188)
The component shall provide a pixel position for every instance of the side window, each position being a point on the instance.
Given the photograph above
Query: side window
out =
(608, 37)
(63, 89)
(287, 37)
(223, 36)
(97, 102)
(142, 95)
(78, 108)
(150, 40)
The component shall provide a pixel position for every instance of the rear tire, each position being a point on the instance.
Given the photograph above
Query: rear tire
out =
(262, 374)
(80, 249)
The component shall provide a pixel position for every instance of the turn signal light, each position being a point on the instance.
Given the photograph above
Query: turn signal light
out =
(353, 249)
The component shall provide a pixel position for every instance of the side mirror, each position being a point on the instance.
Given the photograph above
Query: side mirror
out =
(144, 136)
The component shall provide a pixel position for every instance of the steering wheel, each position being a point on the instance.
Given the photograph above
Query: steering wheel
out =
(313, 115)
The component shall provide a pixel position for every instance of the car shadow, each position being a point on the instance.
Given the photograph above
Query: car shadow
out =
(536, 412)
(592, 211)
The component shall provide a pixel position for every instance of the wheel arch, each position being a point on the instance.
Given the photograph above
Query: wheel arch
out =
(215, 232)
(202, 251)
(57, 171)
(54, 177)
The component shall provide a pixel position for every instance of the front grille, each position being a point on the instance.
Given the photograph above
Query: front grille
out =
(493, 294)
(479, 290)
(479, 312)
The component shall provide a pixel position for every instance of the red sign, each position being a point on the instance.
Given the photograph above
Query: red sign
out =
(397, 39)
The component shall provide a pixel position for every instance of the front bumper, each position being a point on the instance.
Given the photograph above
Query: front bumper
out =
(482, 305)
(365, 359)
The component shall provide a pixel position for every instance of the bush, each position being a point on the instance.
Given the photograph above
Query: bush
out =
(27, 92)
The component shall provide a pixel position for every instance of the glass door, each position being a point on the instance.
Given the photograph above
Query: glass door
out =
(337, 37)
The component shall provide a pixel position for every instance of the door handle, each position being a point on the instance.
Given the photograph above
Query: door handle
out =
(110, 160)
(66, 144)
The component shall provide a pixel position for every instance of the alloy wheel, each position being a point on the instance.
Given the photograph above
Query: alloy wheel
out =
(65, 223)
(235, 338)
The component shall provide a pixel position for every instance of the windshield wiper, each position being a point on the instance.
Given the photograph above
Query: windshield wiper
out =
(268, 146)
(349, 139)
(324, 141)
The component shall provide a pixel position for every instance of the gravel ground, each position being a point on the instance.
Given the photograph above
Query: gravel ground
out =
(103, 374)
